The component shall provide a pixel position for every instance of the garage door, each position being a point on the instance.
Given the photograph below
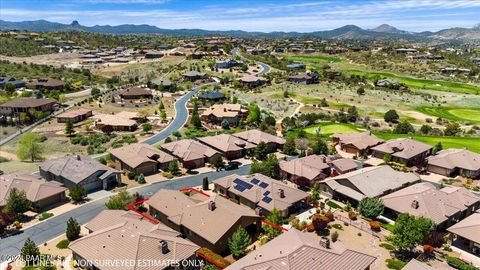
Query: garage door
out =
(93, 186)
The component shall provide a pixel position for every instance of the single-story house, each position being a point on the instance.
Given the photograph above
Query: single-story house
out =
(122, 121)
(301, 250)
(217, 113)
(214, 95)
(251, 81)
(261, 193)
(296, 66)
(305, 171)
(345, 165)
(230, 146)
(191, 153)
(368, 182)
(403, 150)
(125, 236)
(256, 136)
(141, 158)
(445, 206)
(74, 116)
(414, 264)
(27, 104)
(194, 75)
(135, 93)
(309, 77)
(73, 170)
(41, 193)
(165, 84)
(152, 54)
(451, 162)
(46, 83)
(356, 142)
(466, 231)
(206, 221)
(16, 82)
(405, 51)
(226, 63)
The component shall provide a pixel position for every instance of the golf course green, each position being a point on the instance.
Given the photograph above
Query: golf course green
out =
(451, 113)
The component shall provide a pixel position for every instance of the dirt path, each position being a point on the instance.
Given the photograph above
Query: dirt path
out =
(8, 155)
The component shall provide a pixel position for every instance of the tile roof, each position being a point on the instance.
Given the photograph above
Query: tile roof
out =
(137, 153)
(424, 199)
(189, 150)
(346, 164)
(223, 110)
(402, 148)
(76, 168)
(133, 240)
(456, 158)
(195, 215)
(361, 140)
(28, 102)
(256, 136)
(309, 167)
(35, 187)
(135, 91)
(123, 118)
(370, 182)
(74, 113)
(215, 94)
(262, 190)
(226, 142)
(468, 228)
(295, 250)
(251, 78)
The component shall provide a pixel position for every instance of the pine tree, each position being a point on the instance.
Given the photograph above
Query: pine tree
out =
(261, 151)
(141, 179)
(30, 252)
(238, 242)
(77, 194)
(276, 218)
(289, 146)
(73, 229)
(173, 167)
(69, 128)
(17, 202)
(205, 183)
(370, 207)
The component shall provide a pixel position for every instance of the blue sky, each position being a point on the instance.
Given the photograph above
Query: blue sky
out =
(260, 15)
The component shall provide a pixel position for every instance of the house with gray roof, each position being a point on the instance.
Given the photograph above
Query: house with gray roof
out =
(368, 182)
(194, 75)
(73, 170)
(261, 193)
(213, 95)
(16, 82)
(444, 206)
(301, 250)
(206, 221)
(403, 150)
(42, 194)
(117, 235)
(466, 232)
(452, 162)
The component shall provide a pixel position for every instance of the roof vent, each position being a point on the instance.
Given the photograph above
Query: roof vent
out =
(415, 204)
(325, 242)
(78, 157)
(281, 193)
(211, 205)
(164, 246)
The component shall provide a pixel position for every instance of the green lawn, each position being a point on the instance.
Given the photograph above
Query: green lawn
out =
(452, 113)
(315, 59)
(471, 143)
(326, 129)
(421, 83)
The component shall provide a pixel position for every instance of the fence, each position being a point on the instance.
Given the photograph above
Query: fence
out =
(360, 225)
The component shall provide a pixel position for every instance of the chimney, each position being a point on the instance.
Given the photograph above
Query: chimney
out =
(281, 193)
(415, 204)
(325, 242)
(164, 246)
(78, 157)
(211, 205)
(259, 211)
(324, 159)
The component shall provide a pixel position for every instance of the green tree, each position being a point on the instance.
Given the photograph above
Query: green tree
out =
(217, 162)
(173, 167)
(195, 118)
(163, 115)
(410, 231)
(141, 179)
(17, 202)
(30, 252)
(95, 92)
(387, 158)
(437, 148)
(269, 167)
(30, 147)
(403, 128)
(120, 201)
(238, 242)
(452, 129)
(147, 127)
(254, 114)
(9, 88)
(161, 107)
(319, 147)
(370, 207)
(261, 151)
(352, 114)
(73, 229)
(77, 193)
(361, 91)
(425, 129)
(69, 128)
(275, 217)
(205, 183)
(289, 146)
(391, 116)
(316, 191)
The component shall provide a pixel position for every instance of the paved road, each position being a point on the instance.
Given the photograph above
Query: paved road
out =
(56, 225)
(265, 68)
(181, 116)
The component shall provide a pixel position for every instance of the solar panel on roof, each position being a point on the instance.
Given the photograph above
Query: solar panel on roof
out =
(239, 188)
(267, 199)
(236, 181)
(263, 185)
(255, 181)
(266, 193)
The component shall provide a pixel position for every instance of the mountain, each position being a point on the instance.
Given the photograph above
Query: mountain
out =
(386, 28)
(344, 32)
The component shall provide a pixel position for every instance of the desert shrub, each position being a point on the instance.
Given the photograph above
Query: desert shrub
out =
(352, 215)
(395, 264)
(44, 215)
(63, 244)
(334, 236)
(375, 226)
(337, 226)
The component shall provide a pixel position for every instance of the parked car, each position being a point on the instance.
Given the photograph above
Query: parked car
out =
(232, 166)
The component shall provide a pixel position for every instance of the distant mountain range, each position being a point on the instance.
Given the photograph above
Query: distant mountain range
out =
(344, 32)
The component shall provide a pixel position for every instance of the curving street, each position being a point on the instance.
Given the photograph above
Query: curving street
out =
(265, 68)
